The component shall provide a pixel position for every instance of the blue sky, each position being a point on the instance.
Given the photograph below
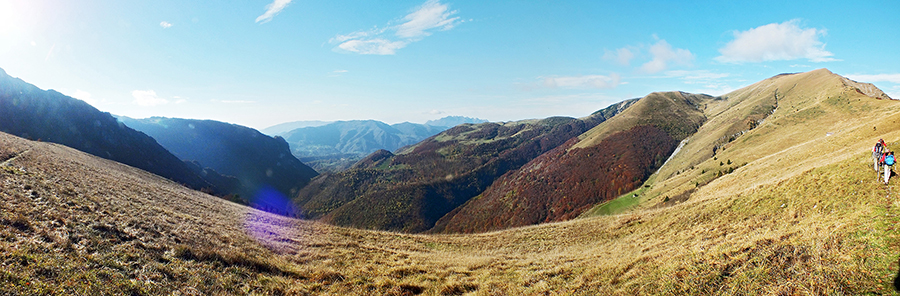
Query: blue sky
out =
(260, 63)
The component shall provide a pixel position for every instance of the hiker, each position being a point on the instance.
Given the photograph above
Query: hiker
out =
(888, 161)
(878, 153)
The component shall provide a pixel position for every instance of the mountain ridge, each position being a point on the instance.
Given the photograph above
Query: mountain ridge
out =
(48, 115)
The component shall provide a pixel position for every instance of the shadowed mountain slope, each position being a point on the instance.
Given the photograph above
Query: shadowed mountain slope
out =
(620, 154)
(260, 162)
(50, 116)
(411, 190)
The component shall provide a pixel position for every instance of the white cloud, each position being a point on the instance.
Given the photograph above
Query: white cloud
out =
(431, 16)
(436, 112)
(147, 98)
(165, 24)
(622, 56)
(663, 54)
(272, 9)
(892, 78)
(586, 81)
(237, 102)
(776, 42)
(85, 96)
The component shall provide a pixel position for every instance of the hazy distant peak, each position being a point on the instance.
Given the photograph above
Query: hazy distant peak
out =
(451, 121)
(280, 129)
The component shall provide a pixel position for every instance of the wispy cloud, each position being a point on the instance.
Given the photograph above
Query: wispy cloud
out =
(165, 24)
(422, 22)
(147, 98)
(703, 81)
(372, 46)
(272, 9)
(621, 56)
(337, 73)
(663, 54)
(237, 102)
(582, 82)
(776, 42)
(696, 75)
(892, 78)
(431, 15)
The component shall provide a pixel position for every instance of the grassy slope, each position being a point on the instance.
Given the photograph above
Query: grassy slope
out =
(782, 224)
(793, 139)
(94, 226)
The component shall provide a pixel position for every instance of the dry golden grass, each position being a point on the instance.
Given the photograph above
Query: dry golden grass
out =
(75, 224)
(784, 223)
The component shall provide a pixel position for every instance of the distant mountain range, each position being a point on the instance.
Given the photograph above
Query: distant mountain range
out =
(336, 146)
(258, 161)
(278, 129)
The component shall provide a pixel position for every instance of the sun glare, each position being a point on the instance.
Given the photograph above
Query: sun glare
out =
(7, 17)
(20, 18)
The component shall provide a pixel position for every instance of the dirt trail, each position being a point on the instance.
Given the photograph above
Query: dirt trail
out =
(13, 157)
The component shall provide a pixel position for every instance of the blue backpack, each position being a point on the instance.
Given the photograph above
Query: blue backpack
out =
(889, 160)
